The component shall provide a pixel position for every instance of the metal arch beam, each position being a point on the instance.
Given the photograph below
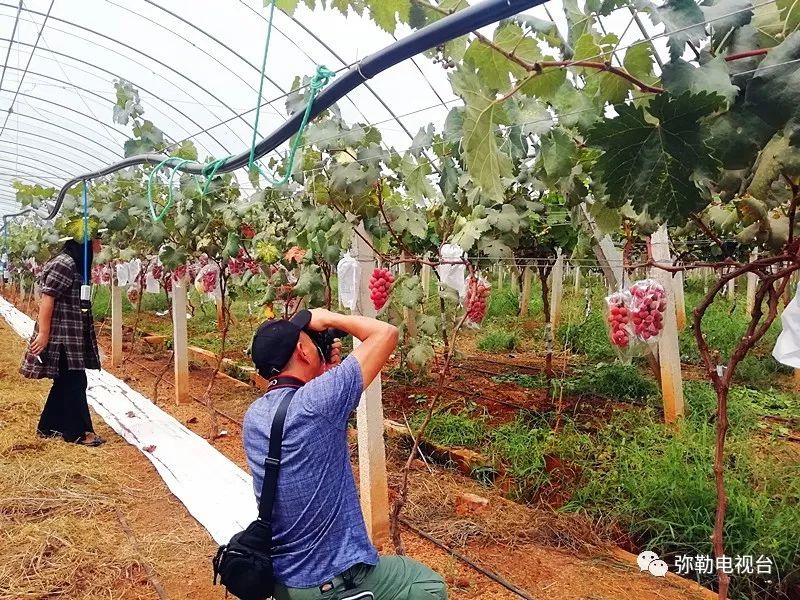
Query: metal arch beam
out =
(55, 141)
(46, 151)
(338, 57)
(47, 172)
(39, 32)
(25, 176)
(72, 131)
(242, 58)
(112, 74)
(69, 108)
(71, 85)
(33, 158)
(137, 51)
(212, 38)
(443, 30)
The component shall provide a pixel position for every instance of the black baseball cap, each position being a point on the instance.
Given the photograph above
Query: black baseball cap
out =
(275, 341)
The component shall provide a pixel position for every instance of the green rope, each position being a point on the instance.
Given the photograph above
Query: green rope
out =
(151, 184)
(320, 79)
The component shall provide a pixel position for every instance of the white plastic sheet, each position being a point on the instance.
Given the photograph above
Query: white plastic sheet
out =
(348, 272)
(151, 284)
(213, 489)
(453, 275)
(787, 347)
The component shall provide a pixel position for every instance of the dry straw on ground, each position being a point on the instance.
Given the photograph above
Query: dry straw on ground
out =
(60, 535)
(431, 506)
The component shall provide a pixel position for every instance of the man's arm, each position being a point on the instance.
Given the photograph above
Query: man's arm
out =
(378, 339)
(46, 306)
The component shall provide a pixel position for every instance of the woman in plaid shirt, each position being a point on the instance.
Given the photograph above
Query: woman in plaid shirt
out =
(63, 346)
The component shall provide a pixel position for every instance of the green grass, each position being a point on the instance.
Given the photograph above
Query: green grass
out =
(615, 382)
(502, 303)
(589, 337)
(658, 482)
(498, 340)
(526, 381)
(452, 429)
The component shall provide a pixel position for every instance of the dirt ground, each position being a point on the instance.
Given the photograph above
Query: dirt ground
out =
(513, 541)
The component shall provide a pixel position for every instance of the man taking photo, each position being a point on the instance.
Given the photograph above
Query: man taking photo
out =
(320, 545)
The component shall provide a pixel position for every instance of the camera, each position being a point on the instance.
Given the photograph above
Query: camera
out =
(324, 340)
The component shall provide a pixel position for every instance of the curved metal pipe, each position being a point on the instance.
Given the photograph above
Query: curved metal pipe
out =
(46, 151)
(33, 158)
(72, 131)
(140, 52)
(76, 111)
(55, 141)
(116, 76)
(452, 26)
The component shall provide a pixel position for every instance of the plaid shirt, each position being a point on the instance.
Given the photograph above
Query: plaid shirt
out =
(70, 329)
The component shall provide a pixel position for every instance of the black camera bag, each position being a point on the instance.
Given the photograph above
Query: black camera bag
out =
(244, 564)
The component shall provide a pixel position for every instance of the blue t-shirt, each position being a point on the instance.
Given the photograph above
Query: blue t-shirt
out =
(318, 527)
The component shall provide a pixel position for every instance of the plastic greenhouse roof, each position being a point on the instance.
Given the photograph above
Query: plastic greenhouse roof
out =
(196, 66)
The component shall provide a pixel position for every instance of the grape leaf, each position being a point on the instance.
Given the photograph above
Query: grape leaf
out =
(558, 154)
(172, 257)
(736, 136)
(494, 248)
(494, 69)
(576, 109)
(684, 20)
(680, 76)
(657, 166)
(638, 62)
(482, 114)
(415, 177)
(790, 13)
(409, 220)
(725, 15)
(420, 355)
(531, 115)
(287, 6)
(774, 91)
(546, 83)
(386, 13)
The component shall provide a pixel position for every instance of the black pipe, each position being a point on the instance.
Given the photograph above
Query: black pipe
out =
(444, 30)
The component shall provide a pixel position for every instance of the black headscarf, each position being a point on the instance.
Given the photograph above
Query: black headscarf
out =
(75, 250)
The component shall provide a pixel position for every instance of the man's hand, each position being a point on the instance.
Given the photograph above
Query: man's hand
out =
(321, 319)
(39, 343)
(336, 354)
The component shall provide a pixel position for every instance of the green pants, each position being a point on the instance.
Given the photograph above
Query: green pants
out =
(393, 578)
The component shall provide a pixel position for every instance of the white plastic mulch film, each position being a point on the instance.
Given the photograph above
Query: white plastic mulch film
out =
(787, 347)
(452, 275)
(348, 271)
(213, 489)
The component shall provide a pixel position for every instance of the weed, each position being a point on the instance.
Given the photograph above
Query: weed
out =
(503, 303)
(615, 382)
(521, 449)
(526, 381)
(589, 337)
(452, 429)
(498, 340)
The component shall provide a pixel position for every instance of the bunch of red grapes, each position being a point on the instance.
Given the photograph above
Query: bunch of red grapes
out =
(649, 306)
(133, 294)
(477, 297)
(619, 317)
(380, 283)
(180, 273)
(157, 271)
(247, 231)
(243, 263)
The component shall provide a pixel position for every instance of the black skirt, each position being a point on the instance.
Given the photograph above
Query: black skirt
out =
(66, 412)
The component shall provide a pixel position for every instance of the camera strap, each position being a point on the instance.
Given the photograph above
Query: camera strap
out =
(273, 461)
